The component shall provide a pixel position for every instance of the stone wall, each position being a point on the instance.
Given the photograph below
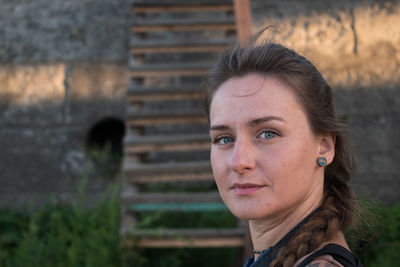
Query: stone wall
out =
(63, 68)
(354, 43)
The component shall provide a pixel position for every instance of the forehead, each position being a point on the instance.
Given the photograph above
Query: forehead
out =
(252, 96)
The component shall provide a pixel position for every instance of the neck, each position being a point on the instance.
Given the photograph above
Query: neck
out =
(268, 231)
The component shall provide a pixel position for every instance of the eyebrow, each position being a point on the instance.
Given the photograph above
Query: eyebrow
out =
(252, 123)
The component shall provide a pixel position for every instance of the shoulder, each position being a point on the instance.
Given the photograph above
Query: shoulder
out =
(324, 261)
(329, 255)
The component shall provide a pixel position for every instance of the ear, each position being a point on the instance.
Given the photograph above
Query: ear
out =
(326, 147)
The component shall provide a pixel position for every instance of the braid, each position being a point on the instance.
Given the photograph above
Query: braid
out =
(334, 215)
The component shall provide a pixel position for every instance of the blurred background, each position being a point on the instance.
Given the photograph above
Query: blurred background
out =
(64, 74)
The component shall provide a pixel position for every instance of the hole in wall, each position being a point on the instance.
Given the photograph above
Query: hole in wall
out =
(104, 146)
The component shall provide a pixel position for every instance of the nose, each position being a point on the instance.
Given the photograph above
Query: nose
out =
(242, 158)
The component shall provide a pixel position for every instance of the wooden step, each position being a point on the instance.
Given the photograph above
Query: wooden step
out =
(181, 206)
(182, 6)
(167, 172)
(143, 144)
(175, 25)
(138, 93)
(181, 46)
(128, 197)
(177, 238)
(169, 69)
(139, 118)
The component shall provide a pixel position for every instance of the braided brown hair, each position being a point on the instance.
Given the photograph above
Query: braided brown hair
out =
(315, 95)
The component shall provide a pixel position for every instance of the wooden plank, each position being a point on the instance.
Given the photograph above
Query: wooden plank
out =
(183, 25)
(166, 178)
(167, 72)
(195, 146)
(182, 6)
(140, 93)
(167, 120)
(205, 242)
(243, 19)
(163, 238)
(135, 119)
(171, 168)
(163, 95)
(202, 66)
(190, 232)
(191, 243)
(177, 49)
(139, 43)
(188, 27)
(182, 207)
(128, 197)
(179, 46)
(171, 69)
(168, 139)
(221, 8)
(167, 143)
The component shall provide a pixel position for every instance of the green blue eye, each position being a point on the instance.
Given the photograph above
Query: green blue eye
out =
(268, 135)
(224, 140)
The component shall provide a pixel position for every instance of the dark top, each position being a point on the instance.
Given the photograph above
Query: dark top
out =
(338, 252)
(270, 254)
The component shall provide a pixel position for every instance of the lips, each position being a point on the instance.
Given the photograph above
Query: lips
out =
(246, 189)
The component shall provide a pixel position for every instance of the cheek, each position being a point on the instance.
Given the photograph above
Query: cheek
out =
(213, 158)
(297, 161)
(278, 157)
(288, 160)
(217, 164)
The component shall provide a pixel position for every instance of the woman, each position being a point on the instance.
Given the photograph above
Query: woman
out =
(279, 155)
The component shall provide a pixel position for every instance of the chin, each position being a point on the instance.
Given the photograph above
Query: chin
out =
(250, 208)
(245, 213)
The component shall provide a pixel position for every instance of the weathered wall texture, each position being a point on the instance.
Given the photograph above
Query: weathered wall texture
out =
(63, 67)
(356, 45)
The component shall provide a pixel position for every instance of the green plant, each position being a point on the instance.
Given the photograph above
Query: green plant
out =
(165, 219)
(105, 162)
(63, 236)
(376, 237)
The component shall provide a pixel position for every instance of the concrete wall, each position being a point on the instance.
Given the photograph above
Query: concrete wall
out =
(63, 67)
(354, 43)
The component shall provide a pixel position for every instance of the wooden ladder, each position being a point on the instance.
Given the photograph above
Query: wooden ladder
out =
(173, 43)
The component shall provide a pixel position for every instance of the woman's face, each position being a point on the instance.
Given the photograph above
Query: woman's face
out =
(263, 151)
